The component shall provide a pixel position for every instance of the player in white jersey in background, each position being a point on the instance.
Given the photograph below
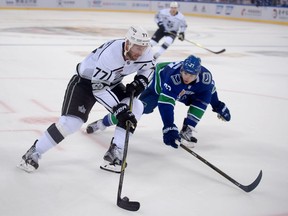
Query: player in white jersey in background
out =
(98, 78)
(170, 22)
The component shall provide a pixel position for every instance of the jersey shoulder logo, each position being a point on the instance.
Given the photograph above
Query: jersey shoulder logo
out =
(97, 86)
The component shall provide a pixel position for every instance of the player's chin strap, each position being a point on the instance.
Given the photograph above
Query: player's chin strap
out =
(124, 202)
(127, 44)
(199, 45)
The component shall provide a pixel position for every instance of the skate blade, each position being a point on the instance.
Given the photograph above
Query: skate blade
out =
(188, 144)
(26, 167)
(110, 167)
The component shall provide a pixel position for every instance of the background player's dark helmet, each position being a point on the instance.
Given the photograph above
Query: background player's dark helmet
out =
(192, 65)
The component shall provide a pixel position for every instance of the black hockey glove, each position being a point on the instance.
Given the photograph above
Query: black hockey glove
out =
(138, 85)
(223, 111)
(123, 114)
(171, 136)
(161, 26)
(181, 36)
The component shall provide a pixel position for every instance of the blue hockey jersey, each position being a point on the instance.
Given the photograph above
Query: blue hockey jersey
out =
(168, 88)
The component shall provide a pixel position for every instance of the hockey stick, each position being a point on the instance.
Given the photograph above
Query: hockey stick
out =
(124, 202)
(201, 46)
(246, 188)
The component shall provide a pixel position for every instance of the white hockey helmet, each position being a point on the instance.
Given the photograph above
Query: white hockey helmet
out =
(138, 35)
(174, 4)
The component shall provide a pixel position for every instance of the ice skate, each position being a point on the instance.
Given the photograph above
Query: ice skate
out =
(29, 162)
(186, 137)
(113, 159)
(94, 126)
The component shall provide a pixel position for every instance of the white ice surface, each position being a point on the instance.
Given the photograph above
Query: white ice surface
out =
(38, 54)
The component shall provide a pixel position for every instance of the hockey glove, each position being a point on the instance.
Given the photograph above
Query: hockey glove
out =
(138, 85)
(161, 26)
(123, 115)
(171, 136)
(181, 36)
(223, 111)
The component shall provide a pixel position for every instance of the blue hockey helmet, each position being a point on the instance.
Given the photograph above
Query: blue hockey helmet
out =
(192, 65)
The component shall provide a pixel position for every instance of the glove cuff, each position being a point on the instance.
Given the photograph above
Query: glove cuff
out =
(119, 108)
(218, 108)
(169, 128)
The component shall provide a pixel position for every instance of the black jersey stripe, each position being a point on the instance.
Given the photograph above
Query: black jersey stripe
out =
(107, 106)
(69, 92)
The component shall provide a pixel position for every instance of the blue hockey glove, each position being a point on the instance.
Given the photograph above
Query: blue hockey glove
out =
(171, 136)
(181, 36)
(223, 111)
(138, 85)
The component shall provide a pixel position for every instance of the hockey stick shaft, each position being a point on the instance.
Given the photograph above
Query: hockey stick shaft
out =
(199, 45)
(247, 188)
(125, 203)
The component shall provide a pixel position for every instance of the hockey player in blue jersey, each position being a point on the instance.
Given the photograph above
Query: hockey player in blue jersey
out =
(187, 82)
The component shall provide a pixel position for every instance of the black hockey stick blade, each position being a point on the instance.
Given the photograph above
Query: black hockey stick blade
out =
(201, 46)
(247, 188)
(221, 51)
(253, 185)
(128, 205)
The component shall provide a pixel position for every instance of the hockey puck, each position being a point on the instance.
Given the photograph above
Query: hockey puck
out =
(126, 199)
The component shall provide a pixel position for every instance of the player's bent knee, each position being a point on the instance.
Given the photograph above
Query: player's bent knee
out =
(68, 125)
(64, 127)
(137, 108)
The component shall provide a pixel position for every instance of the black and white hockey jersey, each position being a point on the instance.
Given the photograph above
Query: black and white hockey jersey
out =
(106, 67)
(171, 23)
